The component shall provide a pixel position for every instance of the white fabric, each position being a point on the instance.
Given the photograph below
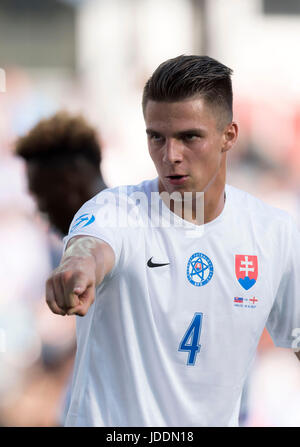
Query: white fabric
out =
(129, 370)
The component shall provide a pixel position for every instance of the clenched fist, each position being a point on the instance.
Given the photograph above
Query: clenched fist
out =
(71, 287)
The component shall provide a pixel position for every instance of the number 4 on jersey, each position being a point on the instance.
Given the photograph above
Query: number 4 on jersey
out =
(190, 341)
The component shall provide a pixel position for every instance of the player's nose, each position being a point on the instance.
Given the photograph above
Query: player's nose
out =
(173, 151)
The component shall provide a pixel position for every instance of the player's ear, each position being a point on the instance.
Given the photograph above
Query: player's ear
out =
(230, 135)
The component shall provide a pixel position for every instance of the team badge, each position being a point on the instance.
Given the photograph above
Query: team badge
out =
(246, 270)
(83, 221)
(199, 269)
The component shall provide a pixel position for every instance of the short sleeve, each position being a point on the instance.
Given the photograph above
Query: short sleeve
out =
(99, 218)
(284, 317)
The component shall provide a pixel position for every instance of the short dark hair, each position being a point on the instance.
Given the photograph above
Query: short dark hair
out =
(183, 77)
(58, 139)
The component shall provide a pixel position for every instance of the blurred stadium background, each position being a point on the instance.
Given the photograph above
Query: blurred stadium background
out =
(94, 57)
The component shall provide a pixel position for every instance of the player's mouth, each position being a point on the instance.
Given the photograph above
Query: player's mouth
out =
(177, 179)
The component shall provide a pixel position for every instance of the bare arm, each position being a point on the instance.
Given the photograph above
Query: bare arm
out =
(71, 287)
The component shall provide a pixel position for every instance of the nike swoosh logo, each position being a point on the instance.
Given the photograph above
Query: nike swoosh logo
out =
(152, 264)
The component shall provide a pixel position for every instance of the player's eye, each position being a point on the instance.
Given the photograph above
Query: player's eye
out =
(156, 138)
(190, 137)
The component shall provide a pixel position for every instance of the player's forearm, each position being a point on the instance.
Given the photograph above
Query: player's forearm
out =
(99, 254)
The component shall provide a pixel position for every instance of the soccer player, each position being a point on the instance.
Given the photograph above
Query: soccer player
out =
(175, 299)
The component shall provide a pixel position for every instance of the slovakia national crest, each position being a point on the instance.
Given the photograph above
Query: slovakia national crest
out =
(246, 270)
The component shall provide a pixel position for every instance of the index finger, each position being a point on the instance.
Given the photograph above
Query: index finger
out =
(76, 286)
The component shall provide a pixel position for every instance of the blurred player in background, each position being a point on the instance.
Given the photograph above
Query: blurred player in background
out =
(63, 157)
(174, 303)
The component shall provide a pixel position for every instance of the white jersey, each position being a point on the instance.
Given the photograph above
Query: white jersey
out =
(175, 325)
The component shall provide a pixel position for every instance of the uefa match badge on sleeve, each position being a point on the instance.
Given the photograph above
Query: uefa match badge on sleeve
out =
(296, 342)
(2, 81)
(82, 221)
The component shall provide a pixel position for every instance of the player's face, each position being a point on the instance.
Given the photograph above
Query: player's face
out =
(186, 144)
(59, 192)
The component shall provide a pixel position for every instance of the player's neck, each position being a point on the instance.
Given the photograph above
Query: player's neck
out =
(214, 202)
(208, 207)
(214, 194)
(96, 185)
